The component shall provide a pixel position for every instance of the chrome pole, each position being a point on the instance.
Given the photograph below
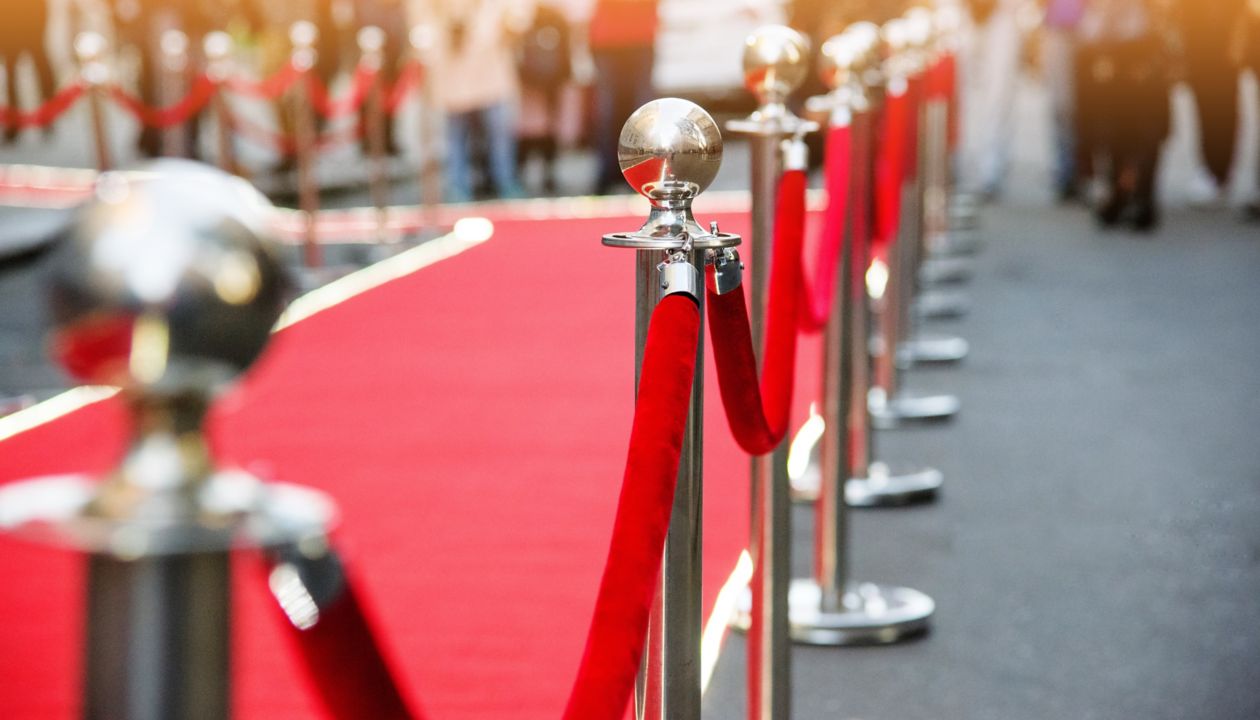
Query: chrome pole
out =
(669, 248)
(890, 404)
(371, 41)
(830, 608)
(775, 63)
(303, 35)
(218, 49)
(174, 69)
(89, 50)
(158, 529)
(913, 346)
(429, 178)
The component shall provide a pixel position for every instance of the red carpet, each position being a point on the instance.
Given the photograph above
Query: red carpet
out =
(471, 420)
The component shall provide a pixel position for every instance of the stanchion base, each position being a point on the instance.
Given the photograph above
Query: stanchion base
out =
(884, 486)
(941, 305)
(907, 407)
(892, 485)
(955, 242)
(944, 270)
(871, 614)
(931, 349)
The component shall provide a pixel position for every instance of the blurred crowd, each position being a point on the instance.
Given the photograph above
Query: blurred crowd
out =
(518, 80)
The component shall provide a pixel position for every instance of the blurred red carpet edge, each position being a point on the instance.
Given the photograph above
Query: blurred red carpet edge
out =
(471, 420)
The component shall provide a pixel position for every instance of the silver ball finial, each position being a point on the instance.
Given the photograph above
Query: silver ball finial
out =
(164, 283)
(776, 60)
(669, 149)
(837, 59)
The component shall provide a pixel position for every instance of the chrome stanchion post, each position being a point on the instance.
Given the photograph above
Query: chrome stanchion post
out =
(870, 482)
(775, 64)
(174, 46)
(430, 177)
(89, 49)
(670, 151)
(303, 35)
(830, 608)
(218, 50)
(918, 269)
(159, 528)
(371, 41)
(941, 242)
(889, 403)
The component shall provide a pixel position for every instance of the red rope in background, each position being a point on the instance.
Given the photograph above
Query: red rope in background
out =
(816, 297)
(615, 642)
(345, 663)
(758, 411)
(45, 114)
(333, 108)
(179, 112)
(269, 88)
(890, 170)
(409, 78)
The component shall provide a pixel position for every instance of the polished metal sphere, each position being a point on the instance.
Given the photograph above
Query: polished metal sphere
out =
(669, 149)
(919, 26)
(776, 60)
(894, 37)
(837, 59)
(165, 282)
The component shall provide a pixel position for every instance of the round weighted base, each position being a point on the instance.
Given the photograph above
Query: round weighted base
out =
(939, 305)
(955, 242)
(884, 486)
(804, 488)
(943, 270)
(892, 485)
(931, 349)
(870, 614)
(908, 407)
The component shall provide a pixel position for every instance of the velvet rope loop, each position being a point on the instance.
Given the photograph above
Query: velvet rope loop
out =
(817, 296)
(177, 113)
(269, 88)
(45, 114)
(408, 79)
(615, 642)
(758, 411)
(890, 169)
(333, 108)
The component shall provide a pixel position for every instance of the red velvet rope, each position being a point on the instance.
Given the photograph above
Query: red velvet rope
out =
(346, 666)
(410, 77)
(816, 301)
(890, 169)
(45, 114)
(332, 108)
(949, 90)
(269, 88)
(758, 411)
(177, 113)
(615, 642)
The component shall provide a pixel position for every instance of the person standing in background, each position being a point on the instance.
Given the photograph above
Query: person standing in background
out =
(1125, 83)
(1206, 27)
(989, 65)
(546, 66)
(622, 38)
(476, 82)
(1247, 55)
(1058, 65)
